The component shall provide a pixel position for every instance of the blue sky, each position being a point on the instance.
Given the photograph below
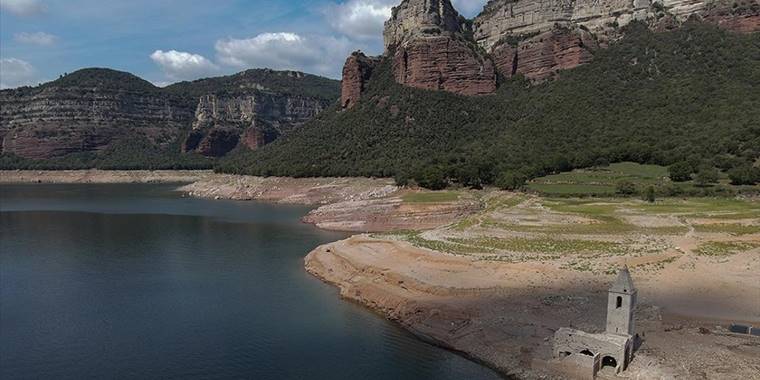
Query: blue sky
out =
(165, 41)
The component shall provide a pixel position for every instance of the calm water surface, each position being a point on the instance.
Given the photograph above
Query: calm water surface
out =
(134, 281)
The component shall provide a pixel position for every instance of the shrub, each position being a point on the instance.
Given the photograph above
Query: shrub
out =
(625, 188)
(680, 171)
(649, 195)
(511, 180)
(432, 177)
(706, 176)
(744, 175)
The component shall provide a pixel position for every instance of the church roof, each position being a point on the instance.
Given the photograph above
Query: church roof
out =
(624, 282)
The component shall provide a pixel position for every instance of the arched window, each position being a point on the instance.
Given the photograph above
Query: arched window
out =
(619, 303)
(587, 353)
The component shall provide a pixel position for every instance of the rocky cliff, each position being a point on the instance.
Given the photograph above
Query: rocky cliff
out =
(356, 73)
(94, 110)
(222, 122)
(87, 111)
(550, 35)
(253, 108)
(432, 47)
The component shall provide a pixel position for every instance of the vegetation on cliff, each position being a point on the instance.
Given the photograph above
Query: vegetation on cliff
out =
(281, 82)
(656, 98)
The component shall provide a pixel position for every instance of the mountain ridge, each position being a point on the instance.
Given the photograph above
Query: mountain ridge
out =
(91, 111)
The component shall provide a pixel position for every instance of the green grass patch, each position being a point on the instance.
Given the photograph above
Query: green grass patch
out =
(431, 197)
(728, 228)
(708, 207)
(718, 249)
(545, 245)
(599, 180)
(444, 246)
(571, 189)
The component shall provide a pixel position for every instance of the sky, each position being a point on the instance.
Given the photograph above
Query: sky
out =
(165, 41)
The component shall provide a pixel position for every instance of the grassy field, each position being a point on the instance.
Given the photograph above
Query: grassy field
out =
(602, 181)
(596, 234)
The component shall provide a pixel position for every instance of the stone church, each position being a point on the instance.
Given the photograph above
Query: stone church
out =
(584, 354)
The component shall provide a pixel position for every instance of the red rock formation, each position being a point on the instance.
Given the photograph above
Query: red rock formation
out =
(505, 59)
(541, 57)
(430, 50)
(218, 141)
(738, 16)
(443, 63)
(740, 24)
(356, 73)
(253, 138)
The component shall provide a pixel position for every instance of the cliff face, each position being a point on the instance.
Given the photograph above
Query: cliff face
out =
(432, 47)
(543, 56)
(221, 122)
(78, 115)
(504, 18)
(356, 72)
(431, 51)
(93, 110)
(555, 35)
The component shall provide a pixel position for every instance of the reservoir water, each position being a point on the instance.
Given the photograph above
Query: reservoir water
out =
(137, 282)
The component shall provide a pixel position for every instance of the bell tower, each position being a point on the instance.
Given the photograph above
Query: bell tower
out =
(620, 305)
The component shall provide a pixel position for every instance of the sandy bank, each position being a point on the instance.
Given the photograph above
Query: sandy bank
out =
(504, 314)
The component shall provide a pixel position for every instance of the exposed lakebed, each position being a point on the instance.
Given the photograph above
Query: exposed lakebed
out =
(135, 281)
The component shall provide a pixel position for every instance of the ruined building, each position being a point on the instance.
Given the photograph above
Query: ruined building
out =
(583, 354)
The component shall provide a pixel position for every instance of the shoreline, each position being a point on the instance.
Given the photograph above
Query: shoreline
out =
(502, 314)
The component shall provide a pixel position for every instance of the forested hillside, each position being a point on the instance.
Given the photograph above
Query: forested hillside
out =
(692, 94)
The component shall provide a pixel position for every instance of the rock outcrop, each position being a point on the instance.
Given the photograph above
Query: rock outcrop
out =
(741, 16)
(515, 18)
(539, 38)
(430, 50)
(432, 47)
(541, 57)
(221, 122)
(356, 73)
(88, 111)
(95, 110)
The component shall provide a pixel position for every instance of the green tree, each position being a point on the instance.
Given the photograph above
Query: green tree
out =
(432, 177)
(706, 175)
(680, 171)
(744, 175)
(510, 180)
(625, 188)
(649, 196)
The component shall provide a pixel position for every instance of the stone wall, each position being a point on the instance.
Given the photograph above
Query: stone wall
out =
(574, 342)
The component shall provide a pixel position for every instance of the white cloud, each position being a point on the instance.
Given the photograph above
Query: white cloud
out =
(178, 65)
(39, 38)
(23, 7)
(469, 8)
(16, 72)
(360, 19)
(321, 55)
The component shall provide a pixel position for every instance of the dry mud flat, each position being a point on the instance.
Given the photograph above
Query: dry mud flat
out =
(496, 285)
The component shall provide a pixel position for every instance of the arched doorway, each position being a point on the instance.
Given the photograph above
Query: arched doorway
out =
(587, 353)
(609, 361)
